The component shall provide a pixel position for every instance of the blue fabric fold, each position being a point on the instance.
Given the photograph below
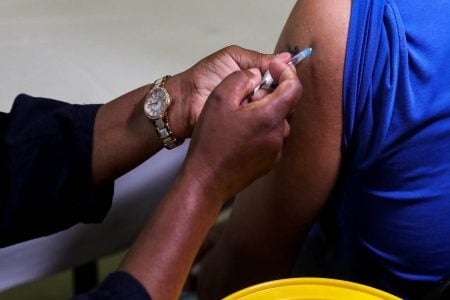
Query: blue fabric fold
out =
(393, 203)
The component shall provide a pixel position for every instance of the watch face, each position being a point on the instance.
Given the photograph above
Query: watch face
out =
(156, 103)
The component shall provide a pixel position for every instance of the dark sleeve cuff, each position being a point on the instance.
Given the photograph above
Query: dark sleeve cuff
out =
(45, 167)
(118, 285)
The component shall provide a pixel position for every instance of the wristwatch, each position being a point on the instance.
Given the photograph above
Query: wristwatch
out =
(156, 106)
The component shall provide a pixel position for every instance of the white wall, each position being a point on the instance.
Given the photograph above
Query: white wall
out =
(89, 51)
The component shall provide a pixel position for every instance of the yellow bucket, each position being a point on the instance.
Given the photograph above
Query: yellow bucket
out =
(311, 289)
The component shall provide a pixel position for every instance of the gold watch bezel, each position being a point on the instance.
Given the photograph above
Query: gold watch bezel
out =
(165, 104)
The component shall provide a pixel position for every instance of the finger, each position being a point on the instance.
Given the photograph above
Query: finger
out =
(260, 94)
(235, 88)
(281, 71)
(285, 96)
(284, 57)
(247, 59)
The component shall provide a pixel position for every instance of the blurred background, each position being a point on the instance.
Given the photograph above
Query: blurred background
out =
(91, 51)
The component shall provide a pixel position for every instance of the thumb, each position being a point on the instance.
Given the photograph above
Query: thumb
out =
(247, 59)
(235, 88)
(286, 95)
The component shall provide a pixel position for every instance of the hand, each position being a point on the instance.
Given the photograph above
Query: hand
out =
(234, 142)
(237, 141)
(191, 88)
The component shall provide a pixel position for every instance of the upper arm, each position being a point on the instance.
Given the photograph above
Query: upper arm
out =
(300, 184)
(308, 171)
(271, 216)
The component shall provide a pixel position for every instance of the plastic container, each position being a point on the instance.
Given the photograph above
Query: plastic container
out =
(311, 289)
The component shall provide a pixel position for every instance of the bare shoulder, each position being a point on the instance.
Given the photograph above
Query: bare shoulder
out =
(313, 153)
(301, 183)
(322, 25)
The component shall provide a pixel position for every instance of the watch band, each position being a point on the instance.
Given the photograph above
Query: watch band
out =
(165, 134)
(162, 124)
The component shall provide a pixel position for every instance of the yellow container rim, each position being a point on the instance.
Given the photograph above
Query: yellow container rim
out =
(310, 288)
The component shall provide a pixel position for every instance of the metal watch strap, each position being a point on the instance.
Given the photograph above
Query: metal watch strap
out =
(161, 82)
(162, 124)
(165, 134)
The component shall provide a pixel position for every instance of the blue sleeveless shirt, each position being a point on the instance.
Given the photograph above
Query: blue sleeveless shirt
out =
(393, 201)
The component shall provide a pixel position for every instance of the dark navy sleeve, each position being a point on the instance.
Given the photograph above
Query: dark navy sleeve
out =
(118, 286)
(45, 169)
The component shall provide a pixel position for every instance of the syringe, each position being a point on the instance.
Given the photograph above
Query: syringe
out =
(267, 80)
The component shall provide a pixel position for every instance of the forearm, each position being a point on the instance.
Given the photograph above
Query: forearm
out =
(163, 253)
(259, 243)
(123, 136)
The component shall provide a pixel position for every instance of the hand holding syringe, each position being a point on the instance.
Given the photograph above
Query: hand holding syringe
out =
(267, 80)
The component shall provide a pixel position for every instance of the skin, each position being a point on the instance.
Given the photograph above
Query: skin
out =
(124, 137)
(224, 157)
(271, 217)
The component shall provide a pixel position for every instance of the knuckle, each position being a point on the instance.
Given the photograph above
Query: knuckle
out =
(296, 92)
(232, 85)
(298, 88)
(241, 79)
(218, 96)
(233, 49)
(246, 57)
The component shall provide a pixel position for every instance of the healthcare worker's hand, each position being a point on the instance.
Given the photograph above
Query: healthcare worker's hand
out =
(124, 137)
(236, 140)
(191, 88)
